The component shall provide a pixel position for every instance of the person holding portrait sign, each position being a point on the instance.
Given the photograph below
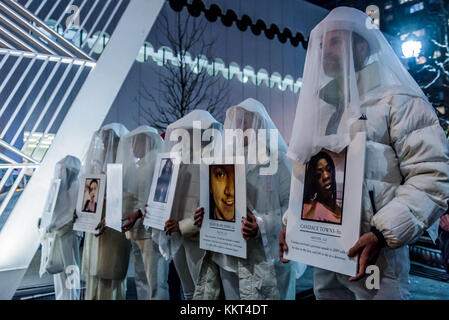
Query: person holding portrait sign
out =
(137, 152)
(261, 275)
(179, 239)
(62, 252)
(106, 254)
(354, 86)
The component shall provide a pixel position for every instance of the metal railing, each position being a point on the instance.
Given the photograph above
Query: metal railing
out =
(41, 73)
(80, 21)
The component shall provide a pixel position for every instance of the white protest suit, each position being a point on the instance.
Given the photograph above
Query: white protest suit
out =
(106, 257)
(353, 82)
(260, 276)
(61, 250)
(138, 152)
(184, 248)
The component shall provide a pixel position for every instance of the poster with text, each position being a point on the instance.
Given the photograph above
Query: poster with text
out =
(325, 205)
(89, 206)
(162, 190)
(223, 197)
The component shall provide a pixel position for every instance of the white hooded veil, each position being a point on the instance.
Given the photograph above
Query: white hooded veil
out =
(341, 45)
(169, 245)
(67, 170)
(251, 114)
(137, 152)
(103, 148)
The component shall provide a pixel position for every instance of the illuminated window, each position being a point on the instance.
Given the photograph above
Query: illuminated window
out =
(404, 1)
(388, 5)
(420, 32)
(248, 73)
(98, 42)
(262, 77)
(416, 7)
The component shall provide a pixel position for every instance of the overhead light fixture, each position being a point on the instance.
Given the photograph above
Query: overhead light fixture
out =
(411, 48)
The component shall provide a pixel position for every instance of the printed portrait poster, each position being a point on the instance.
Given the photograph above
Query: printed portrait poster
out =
(51, 203)
(89, 206)
(162, 190)
(114, 196)
(223, 197)
(324, 213)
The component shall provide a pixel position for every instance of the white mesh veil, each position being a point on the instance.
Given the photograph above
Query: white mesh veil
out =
(137, 152)
(67, 170)
(251, 114)
(187, 123)
(349, 62)
(103, 148)
(168, 246)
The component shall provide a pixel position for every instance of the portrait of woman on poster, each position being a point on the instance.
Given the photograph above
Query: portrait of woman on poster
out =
(90, 203)
(320, 190)
(222, 187)
(163, 182)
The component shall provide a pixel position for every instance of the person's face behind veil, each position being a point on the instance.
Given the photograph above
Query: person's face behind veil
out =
(337, 47)
(106, 137)
(140, 143)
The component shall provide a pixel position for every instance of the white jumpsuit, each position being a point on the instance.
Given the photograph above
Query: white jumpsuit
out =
(354, 82)
(260, 276)
(137, 152)
(61, 242)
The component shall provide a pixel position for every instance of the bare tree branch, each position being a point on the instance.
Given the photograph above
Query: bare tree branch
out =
(183, 87)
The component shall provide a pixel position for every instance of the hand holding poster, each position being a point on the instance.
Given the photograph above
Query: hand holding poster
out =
(89, 206)
(162, 190)
(325, 208)
(223, 197)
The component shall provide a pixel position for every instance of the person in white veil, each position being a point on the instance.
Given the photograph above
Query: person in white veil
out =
(261, 275)
(137, 151)
(65, 241)
(180, 239)
(106, 255)
(354, 82)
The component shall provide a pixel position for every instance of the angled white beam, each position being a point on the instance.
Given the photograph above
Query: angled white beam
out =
(17, 86)
(61, 40)
(91, 10)
(19, 43)
(23, 99)
(105, 27)
(19, 236)
(36, 101)
(5, 44)
(98, 18)
(11, 191)
(35, 31)
(16, 151)
(24, 34)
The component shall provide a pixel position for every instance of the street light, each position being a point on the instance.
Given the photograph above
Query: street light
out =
(411, 48)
